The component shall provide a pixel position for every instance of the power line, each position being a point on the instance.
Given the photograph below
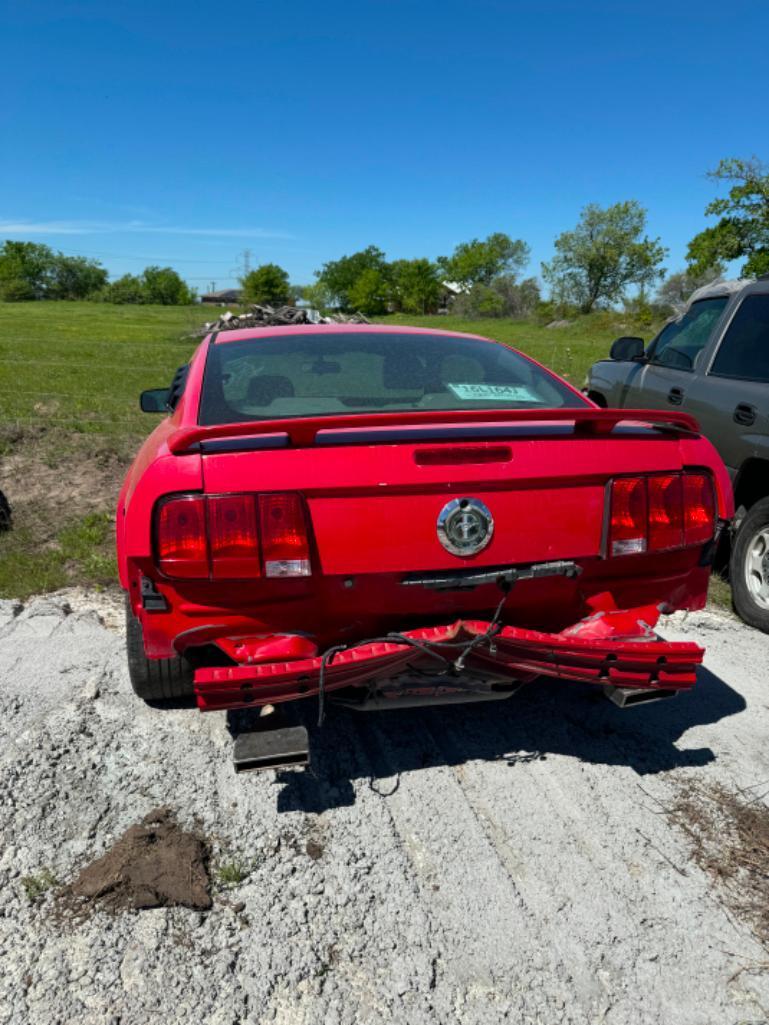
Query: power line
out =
(134, 256)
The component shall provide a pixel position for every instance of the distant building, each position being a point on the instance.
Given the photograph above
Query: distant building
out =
(449, 291)
(225, 297)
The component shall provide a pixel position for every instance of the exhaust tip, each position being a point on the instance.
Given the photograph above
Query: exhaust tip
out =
(287, 748)
(628, 697)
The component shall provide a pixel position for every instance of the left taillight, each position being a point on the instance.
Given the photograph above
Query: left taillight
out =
(233, 537)
(181, 537)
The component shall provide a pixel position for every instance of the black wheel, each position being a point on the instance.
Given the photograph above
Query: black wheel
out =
(749, 567)
(154, 679)
(5, 513)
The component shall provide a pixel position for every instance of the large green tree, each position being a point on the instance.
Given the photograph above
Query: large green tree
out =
(369, 292)
(675, 290)
(25, 269)
(75, 277)
(415, 286)
(479, 261)
(164, 287)
(267, 285)
(29, 270)
(339, 277)
(607, 251)
(742, 231)
(127, 289)
(161, 286)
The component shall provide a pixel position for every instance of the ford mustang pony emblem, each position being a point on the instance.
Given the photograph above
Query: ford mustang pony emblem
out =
(465, 526)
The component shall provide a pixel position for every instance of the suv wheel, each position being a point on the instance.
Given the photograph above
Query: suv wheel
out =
(154, 679)
(749, 567)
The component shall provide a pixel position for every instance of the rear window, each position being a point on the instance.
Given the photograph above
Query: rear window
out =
(324, 374)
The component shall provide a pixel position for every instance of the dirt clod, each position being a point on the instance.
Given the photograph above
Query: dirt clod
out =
(154, 864)
(314, 850)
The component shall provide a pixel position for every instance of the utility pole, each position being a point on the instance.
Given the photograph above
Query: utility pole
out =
(244, 269)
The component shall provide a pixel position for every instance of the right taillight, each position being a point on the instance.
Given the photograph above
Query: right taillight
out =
(666, 521)
(285, 544)
(660, 512)
(628, 527)
(699, 508)
(233, 537)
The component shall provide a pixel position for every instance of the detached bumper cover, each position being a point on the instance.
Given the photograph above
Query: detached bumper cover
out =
(617, 647)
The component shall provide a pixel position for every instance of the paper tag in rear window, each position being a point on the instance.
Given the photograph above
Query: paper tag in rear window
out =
(498, 392)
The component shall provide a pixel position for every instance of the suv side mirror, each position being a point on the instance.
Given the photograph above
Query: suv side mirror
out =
(154, 400)
(627, 348)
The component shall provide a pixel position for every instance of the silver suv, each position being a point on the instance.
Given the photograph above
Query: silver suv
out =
(713, 362)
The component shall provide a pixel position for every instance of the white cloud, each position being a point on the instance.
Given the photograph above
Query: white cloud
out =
(8, 228)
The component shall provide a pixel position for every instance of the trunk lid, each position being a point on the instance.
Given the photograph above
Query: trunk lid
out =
(375, 496)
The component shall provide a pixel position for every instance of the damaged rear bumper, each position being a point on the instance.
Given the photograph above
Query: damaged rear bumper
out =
(615, 648)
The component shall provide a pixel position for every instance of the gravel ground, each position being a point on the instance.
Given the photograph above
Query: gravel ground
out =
(504, 862)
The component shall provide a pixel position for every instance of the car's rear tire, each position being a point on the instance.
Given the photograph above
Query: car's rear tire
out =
(154, 679)
(749, 567)
(6, 520)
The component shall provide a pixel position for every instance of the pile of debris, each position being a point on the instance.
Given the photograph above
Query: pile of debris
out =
(282, 316)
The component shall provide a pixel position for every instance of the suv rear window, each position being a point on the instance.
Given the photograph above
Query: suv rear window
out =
(744, 352)
(324, 374)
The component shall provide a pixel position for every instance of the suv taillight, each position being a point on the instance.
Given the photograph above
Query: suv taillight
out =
(232, 537)
(660, 512)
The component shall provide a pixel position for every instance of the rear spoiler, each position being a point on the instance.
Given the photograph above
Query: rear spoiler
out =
(417, 425)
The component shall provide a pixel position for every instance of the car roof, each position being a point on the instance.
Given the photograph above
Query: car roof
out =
(718, 288)
(243, 334)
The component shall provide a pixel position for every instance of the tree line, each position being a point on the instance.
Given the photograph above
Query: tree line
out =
(593, 266)
(29, 271)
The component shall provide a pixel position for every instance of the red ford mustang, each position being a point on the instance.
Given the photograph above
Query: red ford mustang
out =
(394, 514)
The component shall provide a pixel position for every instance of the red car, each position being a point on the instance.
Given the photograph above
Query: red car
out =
(394, 515)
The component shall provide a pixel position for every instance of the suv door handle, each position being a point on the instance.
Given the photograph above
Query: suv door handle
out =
(744, 414)
(676, 396)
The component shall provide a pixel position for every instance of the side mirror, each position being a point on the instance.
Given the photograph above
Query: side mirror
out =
(154, 400)
(627, 348)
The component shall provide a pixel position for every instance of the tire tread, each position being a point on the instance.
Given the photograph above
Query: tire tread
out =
(746, 608)
(154, 679)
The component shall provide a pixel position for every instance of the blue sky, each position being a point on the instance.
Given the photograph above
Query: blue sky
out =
(167, 133)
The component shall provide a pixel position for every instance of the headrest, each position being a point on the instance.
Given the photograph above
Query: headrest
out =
(264, 388)
(404, 371)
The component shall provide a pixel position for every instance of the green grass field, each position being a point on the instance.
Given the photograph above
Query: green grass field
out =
(82, 365)
(70, 377)
(569, 351)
